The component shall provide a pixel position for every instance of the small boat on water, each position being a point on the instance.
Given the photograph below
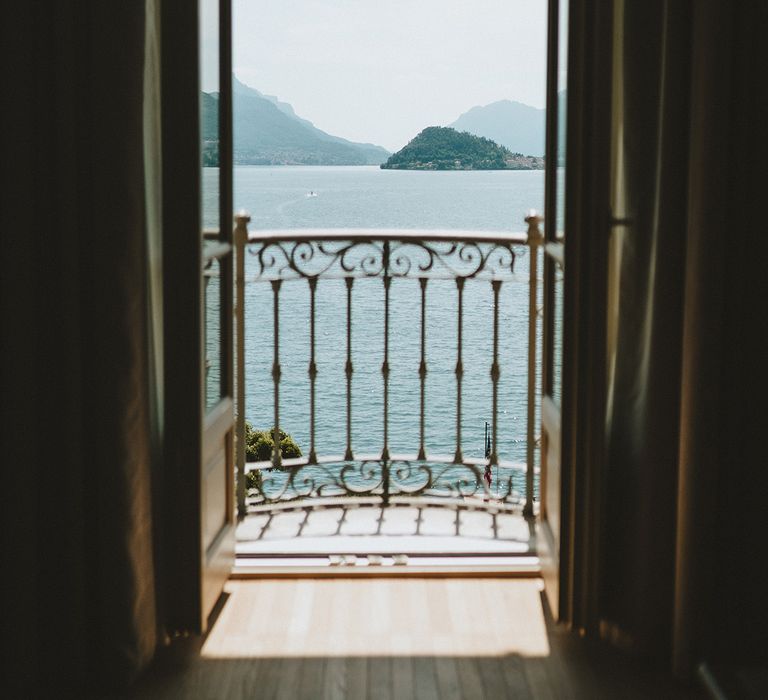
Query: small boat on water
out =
(311, 193)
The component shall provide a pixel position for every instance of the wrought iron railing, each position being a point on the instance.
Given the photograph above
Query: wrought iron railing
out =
(388, 477)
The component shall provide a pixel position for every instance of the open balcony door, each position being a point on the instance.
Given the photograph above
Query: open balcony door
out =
(200, 515)
(551, 483)
(217, 488)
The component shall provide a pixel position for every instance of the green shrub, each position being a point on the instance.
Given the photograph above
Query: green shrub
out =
(259, 444)
(253, 481)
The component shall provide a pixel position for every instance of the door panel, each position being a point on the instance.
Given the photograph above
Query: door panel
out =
(217, 505)
(550, 486)
(216, 492)
(214, 499)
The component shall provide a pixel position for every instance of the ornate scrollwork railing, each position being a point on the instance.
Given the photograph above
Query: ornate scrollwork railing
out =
(399, 476)
(309, 255)
(382, 252)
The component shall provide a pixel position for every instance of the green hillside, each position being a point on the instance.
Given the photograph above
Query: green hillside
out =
(443, 148)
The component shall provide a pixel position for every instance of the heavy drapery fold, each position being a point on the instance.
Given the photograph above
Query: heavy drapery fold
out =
(646, 277)
(79, 535)
(720, 601)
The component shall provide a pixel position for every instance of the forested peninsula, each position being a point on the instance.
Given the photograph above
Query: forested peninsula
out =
(443, 148)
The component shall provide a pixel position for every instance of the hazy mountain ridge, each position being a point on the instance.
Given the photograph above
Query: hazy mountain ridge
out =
(444, 148)
(514, 125)
(269, 132)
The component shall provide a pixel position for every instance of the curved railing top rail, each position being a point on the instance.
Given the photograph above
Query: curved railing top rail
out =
(400, 234)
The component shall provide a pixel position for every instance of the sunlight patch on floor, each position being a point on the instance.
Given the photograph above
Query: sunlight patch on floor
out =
(375, 617)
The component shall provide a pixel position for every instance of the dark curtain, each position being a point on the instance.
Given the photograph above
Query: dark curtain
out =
(78, 537)
(645, 311)
(684, 513)
(721, 601)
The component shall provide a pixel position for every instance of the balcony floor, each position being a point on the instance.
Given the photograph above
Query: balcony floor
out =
(358, 536)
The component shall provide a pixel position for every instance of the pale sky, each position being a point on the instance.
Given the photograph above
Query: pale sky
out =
(379, 71)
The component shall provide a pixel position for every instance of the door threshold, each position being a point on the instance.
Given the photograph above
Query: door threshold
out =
(377, 566)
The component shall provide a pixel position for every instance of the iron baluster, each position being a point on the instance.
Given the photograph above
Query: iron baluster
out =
(312, 369)
(348, 368)
(493, 458)
(385, 376)
(458, 456)
(423, 366)
(276, 453)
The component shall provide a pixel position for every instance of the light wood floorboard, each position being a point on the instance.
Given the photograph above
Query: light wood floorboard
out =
(394, 639)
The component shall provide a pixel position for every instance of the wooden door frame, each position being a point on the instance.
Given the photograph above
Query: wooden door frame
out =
(217, 557)
(583, 393)
(183, 557)
(550, 485)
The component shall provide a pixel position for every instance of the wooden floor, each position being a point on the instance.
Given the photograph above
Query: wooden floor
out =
(394, 638)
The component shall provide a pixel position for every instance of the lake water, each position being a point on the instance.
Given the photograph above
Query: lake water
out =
(368, 197)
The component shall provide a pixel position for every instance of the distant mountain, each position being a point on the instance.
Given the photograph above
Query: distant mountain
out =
(443, 148)
(269, 132)
(518, 127)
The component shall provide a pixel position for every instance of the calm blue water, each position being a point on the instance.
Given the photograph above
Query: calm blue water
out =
(370, 197)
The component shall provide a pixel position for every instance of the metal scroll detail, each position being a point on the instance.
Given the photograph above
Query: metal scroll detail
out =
(366, 257)
(386, 479)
